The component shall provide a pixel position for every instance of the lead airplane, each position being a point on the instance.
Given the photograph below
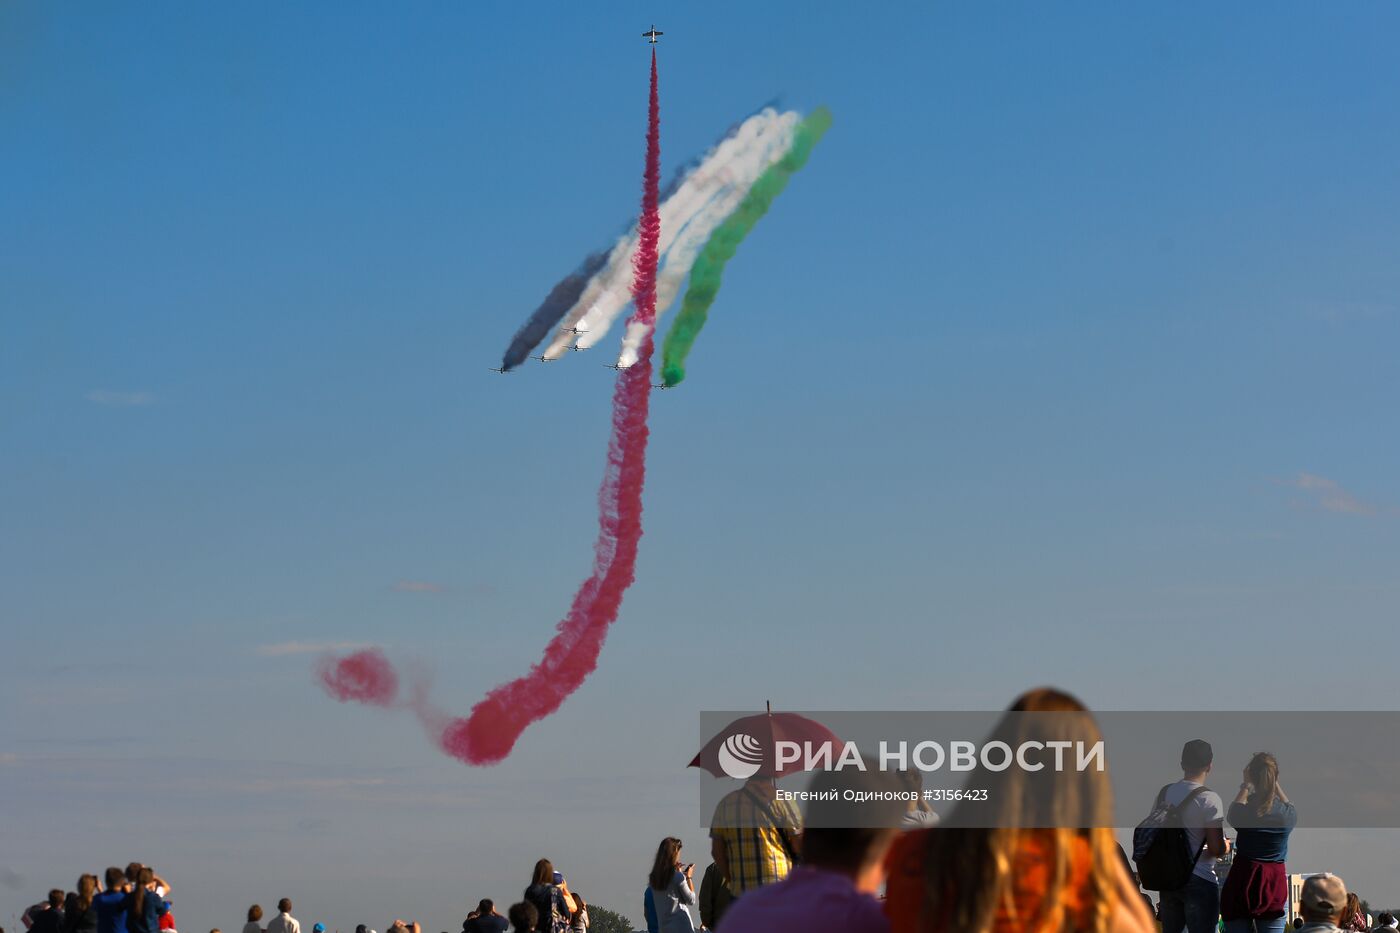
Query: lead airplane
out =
(653, 35)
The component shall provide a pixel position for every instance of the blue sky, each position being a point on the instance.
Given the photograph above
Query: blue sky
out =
(1068, 358)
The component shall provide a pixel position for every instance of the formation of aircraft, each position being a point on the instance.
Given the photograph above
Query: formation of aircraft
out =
(651, 35)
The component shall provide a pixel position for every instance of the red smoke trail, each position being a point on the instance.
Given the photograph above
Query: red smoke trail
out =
(366, 676)
(490, 732)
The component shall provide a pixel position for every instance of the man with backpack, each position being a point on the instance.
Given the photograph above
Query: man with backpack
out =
(1177, 846)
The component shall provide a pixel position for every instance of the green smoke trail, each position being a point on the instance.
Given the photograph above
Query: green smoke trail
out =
(708, 271)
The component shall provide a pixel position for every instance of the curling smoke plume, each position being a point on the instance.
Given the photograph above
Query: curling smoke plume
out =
(365, 677)
(708, 272)
(489, 733)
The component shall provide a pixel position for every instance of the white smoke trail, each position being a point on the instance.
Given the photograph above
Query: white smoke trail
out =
(608, 292)
(692, 239)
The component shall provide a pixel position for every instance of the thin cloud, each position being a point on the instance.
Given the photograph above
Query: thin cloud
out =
(113, 399)
(1348, 312)
(417, 586)
(1329, 495)
(284, 648)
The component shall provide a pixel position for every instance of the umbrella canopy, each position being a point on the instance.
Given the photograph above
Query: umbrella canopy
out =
(746, 746)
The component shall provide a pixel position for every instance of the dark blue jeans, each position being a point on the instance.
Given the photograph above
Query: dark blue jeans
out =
(1195, 908)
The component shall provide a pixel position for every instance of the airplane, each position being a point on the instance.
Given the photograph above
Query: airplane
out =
(576, 348)
(662, 386)
(544, 359)
(653, 35)
(617, 366)
(577, 330)
(500, 369)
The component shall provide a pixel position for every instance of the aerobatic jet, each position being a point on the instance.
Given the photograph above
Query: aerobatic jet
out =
(500, 369)
(653, 35)
(617, 366)
(544, 359)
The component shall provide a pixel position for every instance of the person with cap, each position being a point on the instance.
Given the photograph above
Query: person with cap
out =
(1324, 900)
(1196, 907)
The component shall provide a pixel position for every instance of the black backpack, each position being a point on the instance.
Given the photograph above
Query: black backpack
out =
(1160, 848)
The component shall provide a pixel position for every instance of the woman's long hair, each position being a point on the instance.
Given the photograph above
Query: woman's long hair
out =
(144, 877)
(664, 868)
(969, 867)
(544, 872)
(87, 890)
(1352, 916)
(1263, 774)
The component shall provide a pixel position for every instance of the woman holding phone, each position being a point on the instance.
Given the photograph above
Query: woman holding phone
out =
(671, 888)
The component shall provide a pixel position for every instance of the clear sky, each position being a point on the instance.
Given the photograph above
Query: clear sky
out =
(1069, 358)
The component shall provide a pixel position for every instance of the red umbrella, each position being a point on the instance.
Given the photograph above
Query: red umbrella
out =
(746, 746)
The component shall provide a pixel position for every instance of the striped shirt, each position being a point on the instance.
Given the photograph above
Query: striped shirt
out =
(752, 828)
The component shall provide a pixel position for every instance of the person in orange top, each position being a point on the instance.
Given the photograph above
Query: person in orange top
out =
(1038, 856)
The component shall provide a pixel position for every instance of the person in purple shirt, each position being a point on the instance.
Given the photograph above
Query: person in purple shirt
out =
(842, 869)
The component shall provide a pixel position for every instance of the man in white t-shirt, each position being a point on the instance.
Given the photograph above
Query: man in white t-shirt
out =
(1196, 907)
(284, 922)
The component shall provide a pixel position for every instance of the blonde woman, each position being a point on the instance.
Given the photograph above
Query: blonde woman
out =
(1037, 869)
(1255, 894)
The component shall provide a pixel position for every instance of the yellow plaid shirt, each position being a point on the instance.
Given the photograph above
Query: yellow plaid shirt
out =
(752, 842)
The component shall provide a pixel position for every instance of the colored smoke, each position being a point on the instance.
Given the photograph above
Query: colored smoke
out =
(560, 299)
(708, 271)
(742, 173)
(496, 723)
(365, 676)
(609, 292)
